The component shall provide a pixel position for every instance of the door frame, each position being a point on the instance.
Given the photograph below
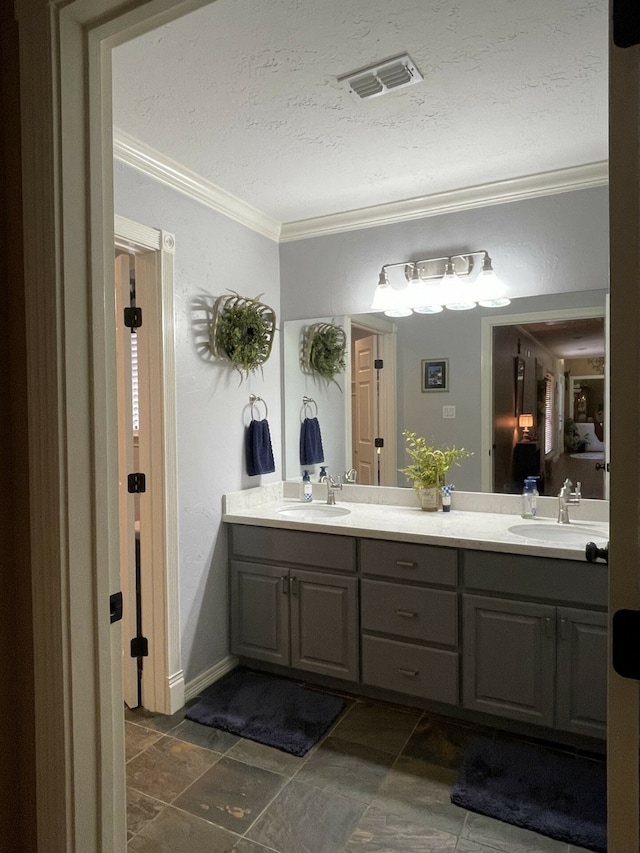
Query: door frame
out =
(67, 193)
(68, 229)
(163, 683)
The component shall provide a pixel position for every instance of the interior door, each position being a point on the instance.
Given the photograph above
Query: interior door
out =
(624, 562)
(125, 467)
(365, 410)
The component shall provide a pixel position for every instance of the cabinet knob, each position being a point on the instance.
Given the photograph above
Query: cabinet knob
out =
(294, 585)
(405, 564)
(285, 584)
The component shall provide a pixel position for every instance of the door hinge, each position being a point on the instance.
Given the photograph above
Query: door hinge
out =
(625, 643)
(115, 607)
(136, 483)
(626, 23)
(378, 442)
(139, 647)
(378, 364)
(132, 317)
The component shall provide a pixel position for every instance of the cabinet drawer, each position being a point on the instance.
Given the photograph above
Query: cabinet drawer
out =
(406, 668)
(313, 550)
(410, 611)
(406, 561)
(536, 577)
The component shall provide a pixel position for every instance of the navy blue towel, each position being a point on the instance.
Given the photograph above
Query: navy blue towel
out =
(259, 450)
(310, 442)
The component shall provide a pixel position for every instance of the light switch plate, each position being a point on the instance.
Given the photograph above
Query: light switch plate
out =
(448, 411)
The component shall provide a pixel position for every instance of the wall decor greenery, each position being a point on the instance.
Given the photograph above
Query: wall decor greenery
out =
(242, 331)
(323, 351)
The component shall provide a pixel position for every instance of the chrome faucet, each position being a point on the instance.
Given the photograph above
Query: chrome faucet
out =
(351, 475)
(332, 488)
(566, 498)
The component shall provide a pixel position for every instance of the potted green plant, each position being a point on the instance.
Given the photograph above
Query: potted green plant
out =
(428, 468)
(324, 350)
(242, 331)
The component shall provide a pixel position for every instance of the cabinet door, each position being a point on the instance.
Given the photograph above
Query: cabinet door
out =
(260, 612)
(509, 658)
(324, 623)
(581, 704)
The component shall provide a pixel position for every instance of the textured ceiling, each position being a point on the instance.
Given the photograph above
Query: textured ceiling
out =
(244, 93)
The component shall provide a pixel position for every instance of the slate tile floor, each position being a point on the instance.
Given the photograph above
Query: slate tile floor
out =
(378, 782)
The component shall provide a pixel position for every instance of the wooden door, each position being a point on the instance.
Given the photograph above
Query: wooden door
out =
(365, 410)
(623, 789)
(125, 467)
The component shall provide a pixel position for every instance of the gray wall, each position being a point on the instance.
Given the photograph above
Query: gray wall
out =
(543, 245)
(211, 253)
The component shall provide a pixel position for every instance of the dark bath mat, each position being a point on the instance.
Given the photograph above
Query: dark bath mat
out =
(267, 709)
(556, 794)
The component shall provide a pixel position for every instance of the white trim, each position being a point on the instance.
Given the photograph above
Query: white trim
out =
(156, 165)
(194, 687)
(486, 373)
(484, 195)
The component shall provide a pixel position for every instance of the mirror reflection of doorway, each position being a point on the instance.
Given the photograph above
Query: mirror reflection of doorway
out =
(373, 400)
(565, 392)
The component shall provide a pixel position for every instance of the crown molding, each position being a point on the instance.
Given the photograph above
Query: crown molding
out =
(145, 159)
(483, 195)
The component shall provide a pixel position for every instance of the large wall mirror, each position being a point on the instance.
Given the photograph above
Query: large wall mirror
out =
(540, 361)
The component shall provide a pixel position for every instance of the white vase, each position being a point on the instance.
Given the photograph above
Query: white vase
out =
(430, 499)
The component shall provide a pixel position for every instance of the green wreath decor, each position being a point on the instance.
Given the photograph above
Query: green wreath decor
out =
(324, 350)
(242, 332)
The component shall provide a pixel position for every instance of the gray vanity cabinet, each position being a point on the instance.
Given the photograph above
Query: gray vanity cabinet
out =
(409, 619)
(290, 615)
(260, 612)
(509, 658)
(582, 648)
(527, 658)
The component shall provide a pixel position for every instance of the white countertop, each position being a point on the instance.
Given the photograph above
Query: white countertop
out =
(485, 531)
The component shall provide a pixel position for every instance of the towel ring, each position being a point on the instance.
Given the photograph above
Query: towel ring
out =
(306, 404)
(253, 399)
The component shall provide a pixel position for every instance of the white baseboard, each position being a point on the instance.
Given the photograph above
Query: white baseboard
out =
(175, 690)
(209, 676)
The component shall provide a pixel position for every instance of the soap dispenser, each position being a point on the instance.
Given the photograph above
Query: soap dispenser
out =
(529, 498)
(307, 489)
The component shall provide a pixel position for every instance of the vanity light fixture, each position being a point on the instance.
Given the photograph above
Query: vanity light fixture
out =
(427, 286)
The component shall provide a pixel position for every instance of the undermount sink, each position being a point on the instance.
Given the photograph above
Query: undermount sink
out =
(567, 534)
(313, 512)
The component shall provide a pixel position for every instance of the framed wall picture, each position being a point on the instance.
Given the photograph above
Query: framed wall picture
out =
(435, 374)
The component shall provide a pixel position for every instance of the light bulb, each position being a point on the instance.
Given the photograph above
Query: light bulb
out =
(398, 312)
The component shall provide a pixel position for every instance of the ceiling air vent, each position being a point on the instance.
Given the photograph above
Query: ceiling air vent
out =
(396, 73)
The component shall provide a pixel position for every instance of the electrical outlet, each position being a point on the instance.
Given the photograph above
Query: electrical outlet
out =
(448, 411)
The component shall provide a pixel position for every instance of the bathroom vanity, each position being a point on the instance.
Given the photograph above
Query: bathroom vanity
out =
(450, 613)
